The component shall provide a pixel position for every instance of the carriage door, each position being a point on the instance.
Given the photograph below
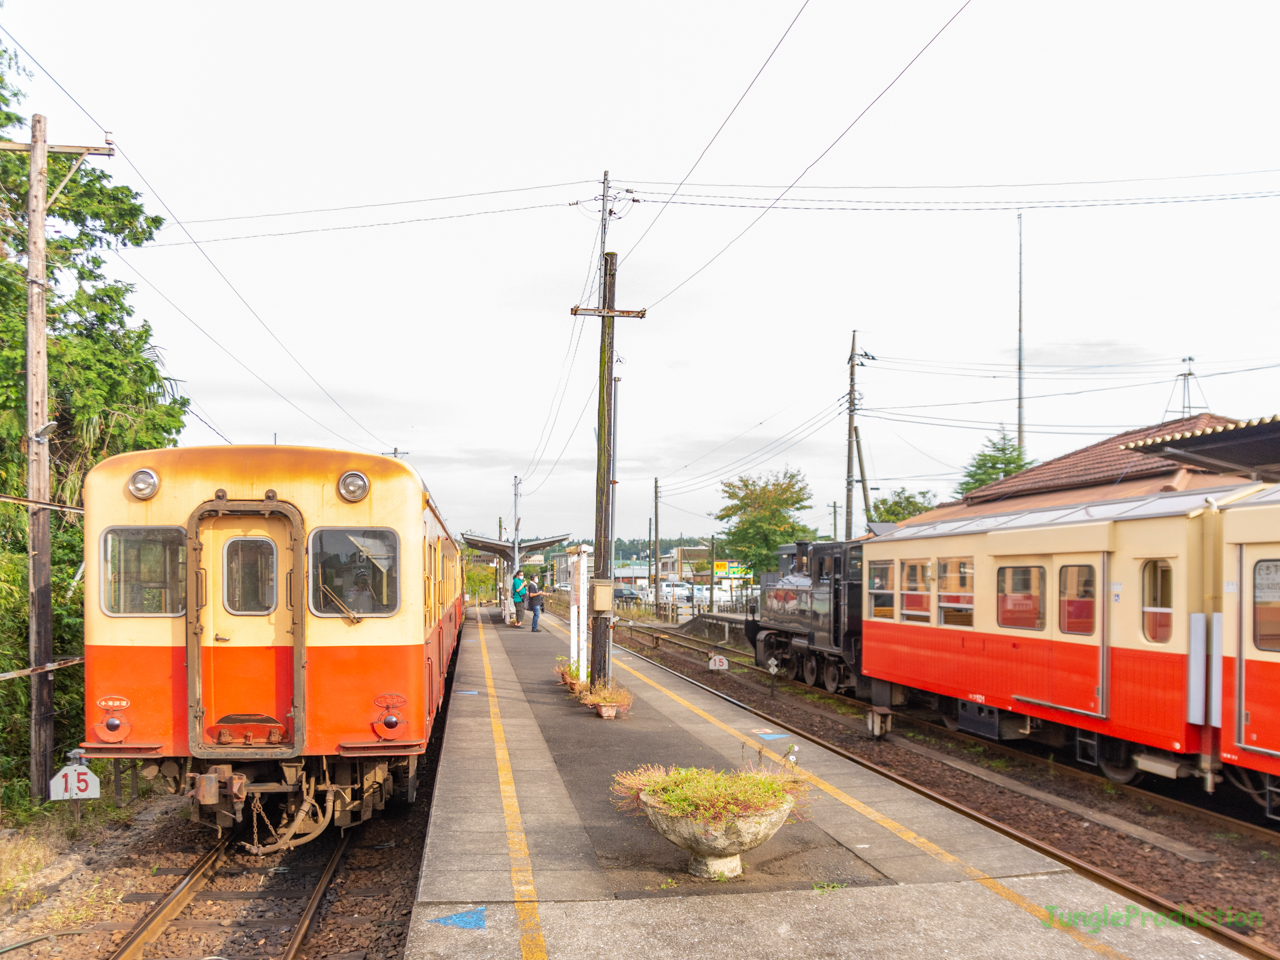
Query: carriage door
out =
(1258, 661)
(1076, 674)
(246, 646)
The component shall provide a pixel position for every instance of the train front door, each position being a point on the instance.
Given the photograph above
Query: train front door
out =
(1257, 643)
(246, 679)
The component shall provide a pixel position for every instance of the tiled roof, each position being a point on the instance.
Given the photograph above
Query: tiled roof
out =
(1105, 462)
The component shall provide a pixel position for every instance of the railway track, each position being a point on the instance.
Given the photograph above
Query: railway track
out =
(1207, 927)
(158, 921)
(738, 659)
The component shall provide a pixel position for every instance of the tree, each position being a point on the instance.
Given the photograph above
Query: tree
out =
(106, 391)
(999, 457)
(901, 505)
(762, 515)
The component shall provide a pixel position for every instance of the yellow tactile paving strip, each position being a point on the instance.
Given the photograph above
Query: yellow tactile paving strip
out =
(921, 843)
(532, 945)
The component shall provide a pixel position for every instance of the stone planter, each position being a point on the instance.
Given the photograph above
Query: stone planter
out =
(606, 711)
(716, 849)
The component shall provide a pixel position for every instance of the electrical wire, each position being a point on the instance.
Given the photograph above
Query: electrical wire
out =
(224, 277)
(719, 129)
(354, 226)
(818, 159)
(572, 432)
(246, 367)
(391, 203)
(957, 186)
(208, 423)
(727, 442)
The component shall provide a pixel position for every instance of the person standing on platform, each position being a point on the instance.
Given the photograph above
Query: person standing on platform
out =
(535, 604)
(518, 592)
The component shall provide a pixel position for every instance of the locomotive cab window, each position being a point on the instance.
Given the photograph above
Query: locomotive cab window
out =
(880, 589)
(955, 591)
(1020, 597)
(1266, 604)
(1157, 600)
(249, 576)
(356, 571)
(915, 591)
(1076, 599)
(144, 571)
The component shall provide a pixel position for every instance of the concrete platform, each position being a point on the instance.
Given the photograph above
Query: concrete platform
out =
(527, 858)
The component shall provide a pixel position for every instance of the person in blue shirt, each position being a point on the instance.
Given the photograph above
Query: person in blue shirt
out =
(518, 593)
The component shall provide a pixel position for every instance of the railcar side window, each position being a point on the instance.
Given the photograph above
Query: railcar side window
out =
(249, 576)
(955, 591)
(1157, 600)
(880, 589)
(1076, 599)
(354, 571)
(915, 591)
(1266, 604)
(1020, 597)
(144, 571)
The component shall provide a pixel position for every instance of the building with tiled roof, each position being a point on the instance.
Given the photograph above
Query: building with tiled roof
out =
(1112, 469)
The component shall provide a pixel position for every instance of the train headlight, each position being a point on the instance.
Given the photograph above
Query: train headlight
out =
(112, 723)
(391, 721)
(353, 486)
(144, 484)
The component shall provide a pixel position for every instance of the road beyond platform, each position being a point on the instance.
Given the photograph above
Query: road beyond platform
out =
(527, 858)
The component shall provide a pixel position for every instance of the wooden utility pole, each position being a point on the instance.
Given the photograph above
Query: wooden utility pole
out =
(39, 430)
(848, 483)
(602, 622)
(711, 584)
(862, 469)
(835, 521)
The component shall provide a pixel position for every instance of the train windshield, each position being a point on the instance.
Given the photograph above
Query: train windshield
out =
(145, 571)
(355, 571)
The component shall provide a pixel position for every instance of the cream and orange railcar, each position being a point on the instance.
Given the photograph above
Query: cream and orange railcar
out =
(267, 622)
(1098, 623)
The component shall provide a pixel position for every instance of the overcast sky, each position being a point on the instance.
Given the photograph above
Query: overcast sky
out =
(445, 333)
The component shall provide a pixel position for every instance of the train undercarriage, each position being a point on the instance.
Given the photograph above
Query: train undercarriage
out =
(286, 802)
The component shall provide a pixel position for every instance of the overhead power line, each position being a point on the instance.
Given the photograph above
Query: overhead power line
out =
(820, 156)
(719, 129)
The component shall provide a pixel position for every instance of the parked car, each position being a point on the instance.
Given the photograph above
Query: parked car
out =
(563, 588)
(675, 590)
(626, 595)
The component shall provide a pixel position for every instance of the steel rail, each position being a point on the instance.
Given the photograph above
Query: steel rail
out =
(154, 923)
(1205, 927)
(313, 905)
(1264, 834)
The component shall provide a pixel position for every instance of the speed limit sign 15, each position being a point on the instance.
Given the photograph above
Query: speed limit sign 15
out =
(74, 782)
(718, 662)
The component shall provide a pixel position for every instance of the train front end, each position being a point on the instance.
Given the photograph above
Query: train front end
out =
(251, 635)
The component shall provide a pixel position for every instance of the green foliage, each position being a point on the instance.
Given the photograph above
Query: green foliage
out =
(901, 505)
(106, 391)
(762, 516)
(999, 457)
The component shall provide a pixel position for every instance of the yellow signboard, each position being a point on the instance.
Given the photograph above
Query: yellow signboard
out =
(732, 570)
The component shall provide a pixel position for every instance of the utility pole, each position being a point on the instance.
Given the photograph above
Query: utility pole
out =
(835, 528)
(1021, 447)
(602, 624)
(651, 580)
(848, 483)
(39, 429)
(711, 585)
(862, 469)
(657, 552)
(613, 479)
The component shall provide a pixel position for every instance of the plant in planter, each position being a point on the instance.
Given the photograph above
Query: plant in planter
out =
(567, 670)
(715, 815)
(610, 700)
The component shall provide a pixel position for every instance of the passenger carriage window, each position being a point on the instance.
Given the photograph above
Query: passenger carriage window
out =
(354, 570)
(1020, 597)
(880, 589)
(955, 591)
(1266, 604)
(1157, 600)
(144, 571)
(249, 576)
(1076, 599)
(915, 591)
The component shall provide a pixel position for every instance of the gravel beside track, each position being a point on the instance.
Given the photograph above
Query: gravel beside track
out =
(1246, 876)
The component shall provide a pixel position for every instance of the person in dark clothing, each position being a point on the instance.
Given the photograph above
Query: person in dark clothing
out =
(535, 603)
(518, 592)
